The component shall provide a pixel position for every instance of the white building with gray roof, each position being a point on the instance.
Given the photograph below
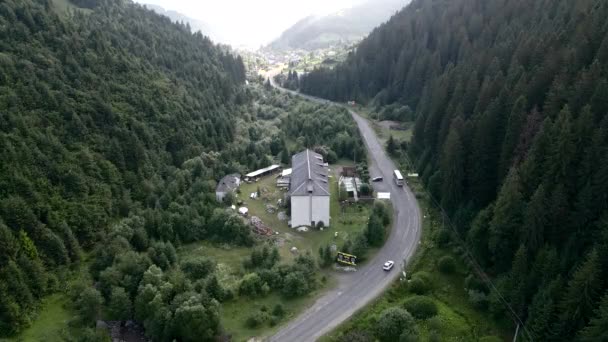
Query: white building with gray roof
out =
(309, 190)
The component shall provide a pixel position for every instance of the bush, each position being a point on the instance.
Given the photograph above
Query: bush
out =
(442, 237)
(198, 268)
(366, 190)
(392, 323)
(490, 339)
(252, 285)
(420, 283)
(278, 310)
(421, 307)
(478, 299)
(418, 286)
(447, 264)
(256, 319)
(356, 336)
(471, 282)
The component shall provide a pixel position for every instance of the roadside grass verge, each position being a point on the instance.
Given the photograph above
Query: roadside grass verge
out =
(235, 313)
(457, 318)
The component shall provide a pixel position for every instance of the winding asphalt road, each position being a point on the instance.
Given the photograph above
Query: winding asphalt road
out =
(356, 289)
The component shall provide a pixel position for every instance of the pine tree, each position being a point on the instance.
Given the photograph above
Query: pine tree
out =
(375, 231)
(578, 301)
(534, 221)
(505, 224)
(391, 146)
(517, 283)
(452, 171)
(542, 311)
(596, 329)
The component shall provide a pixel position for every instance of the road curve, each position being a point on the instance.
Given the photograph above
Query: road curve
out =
(355, 290)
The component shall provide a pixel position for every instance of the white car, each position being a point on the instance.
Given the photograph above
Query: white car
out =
(388, 265)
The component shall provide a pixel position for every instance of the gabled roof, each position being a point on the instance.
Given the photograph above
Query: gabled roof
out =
(309, 175)
(228, 183)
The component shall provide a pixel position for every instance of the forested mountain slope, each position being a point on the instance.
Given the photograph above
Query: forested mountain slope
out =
(511, 135)
(345, 26)
(105, 116)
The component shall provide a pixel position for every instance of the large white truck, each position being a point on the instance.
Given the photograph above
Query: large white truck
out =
(398, 177)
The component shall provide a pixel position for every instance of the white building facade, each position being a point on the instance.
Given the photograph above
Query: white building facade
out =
(309, 190)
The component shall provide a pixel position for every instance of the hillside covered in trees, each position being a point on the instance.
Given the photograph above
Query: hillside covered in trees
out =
(510, 101)
(108, 126)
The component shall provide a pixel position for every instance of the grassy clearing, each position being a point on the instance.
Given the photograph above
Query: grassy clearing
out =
(51, 322)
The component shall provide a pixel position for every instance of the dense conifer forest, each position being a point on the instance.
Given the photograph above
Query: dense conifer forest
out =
(510, 102)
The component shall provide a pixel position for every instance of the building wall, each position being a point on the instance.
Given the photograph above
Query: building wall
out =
(305, 209)
(220, 196)
(320, 209)
(300, 211)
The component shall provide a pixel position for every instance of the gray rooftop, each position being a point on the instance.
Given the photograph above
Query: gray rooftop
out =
(309, 175)
(228, 183)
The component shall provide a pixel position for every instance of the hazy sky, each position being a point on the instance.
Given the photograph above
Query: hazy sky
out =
(251, 22)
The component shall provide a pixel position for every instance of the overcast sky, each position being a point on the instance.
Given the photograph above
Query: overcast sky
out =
(251, 22)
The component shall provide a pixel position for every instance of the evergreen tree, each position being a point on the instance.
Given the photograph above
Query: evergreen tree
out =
(596, 329)
(578, 302)
(375, 231)
(119, 307)
(452, 171)
(505, 223)
(391, 146)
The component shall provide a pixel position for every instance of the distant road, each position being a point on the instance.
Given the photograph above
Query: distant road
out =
(356, 289)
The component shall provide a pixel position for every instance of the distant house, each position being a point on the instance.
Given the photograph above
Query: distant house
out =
(309, 190)
(228, 184)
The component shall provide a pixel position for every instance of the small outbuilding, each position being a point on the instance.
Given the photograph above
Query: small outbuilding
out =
(228, 184)
(262, 172)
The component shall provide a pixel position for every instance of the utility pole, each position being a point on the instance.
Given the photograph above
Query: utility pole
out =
(516, 333)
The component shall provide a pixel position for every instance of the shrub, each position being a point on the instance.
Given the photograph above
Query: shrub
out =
(418, 286)
(278, 310)
(478, 299)
(420, 283)
(198, 268)
(392, 323)
(256, 319)
(442, 237)
(447, 264)
(421, 307)
(356, 336)
(471, 282)
(252, 285)
(490, 339)
(434, 324)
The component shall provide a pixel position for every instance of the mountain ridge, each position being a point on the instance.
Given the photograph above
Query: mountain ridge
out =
(343, 26)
